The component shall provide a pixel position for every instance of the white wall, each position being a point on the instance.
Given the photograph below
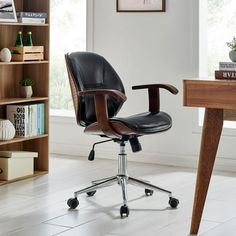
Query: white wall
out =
(147, 48)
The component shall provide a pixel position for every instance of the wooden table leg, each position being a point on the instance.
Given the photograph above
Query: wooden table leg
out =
(212, 127)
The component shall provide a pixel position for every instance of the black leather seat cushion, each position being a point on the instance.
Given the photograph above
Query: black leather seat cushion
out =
(147, 123)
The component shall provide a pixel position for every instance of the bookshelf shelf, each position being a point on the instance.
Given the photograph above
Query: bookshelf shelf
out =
(23, 24)
(36, 173)
(11, 73)
(7, 101)
(23, 62)
(17, 140)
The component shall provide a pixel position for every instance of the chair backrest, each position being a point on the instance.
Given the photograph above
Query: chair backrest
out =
(88, 70)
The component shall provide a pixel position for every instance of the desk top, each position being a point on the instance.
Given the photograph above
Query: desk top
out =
(210, 93)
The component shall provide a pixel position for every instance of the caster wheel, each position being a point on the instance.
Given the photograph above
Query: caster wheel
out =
(124, 211)
(90, 194)
(148, 192)
(72, 203)
(174, 202)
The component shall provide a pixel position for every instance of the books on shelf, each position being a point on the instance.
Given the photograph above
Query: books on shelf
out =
(19, 115)
(28, 20)
(28, 119)
(227, 70)
(40, 118)
(229, 66)
(31, 14)
(32, 17)
(224, 74)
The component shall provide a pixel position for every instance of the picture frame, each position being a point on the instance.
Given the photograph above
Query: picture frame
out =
(140, 5)
(7, 11)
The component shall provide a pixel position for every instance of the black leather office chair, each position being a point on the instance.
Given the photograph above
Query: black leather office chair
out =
(98, 94)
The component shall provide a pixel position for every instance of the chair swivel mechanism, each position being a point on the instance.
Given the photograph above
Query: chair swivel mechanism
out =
(98, 95)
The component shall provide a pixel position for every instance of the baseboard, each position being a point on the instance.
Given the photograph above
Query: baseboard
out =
(167, 159)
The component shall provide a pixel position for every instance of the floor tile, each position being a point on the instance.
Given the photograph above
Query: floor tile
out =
(39, 230)
(227, 229)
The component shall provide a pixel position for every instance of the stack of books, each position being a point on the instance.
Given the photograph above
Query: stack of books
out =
(32, 17)
(227, 70)
(28, 120)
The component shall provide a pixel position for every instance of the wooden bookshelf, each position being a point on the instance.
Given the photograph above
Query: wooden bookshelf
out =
(12, 72)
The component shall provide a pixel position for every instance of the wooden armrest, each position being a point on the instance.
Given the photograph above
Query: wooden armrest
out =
(111, 92)
(100, 99)
(154, 94)
(168, 87)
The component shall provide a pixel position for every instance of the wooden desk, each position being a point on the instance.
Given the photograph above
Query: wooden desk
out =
(219, 99)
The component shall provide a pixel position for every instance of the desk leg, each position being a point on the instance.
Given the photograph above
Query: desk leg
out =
(212, 127)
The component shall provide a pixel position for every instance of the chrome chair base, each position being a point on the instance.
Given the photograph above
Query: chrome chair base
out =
(123, 179)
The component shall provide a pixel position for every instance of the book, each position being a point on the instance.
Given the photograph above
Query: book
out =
(225, 74)
(23, 14)
(28, 120)
(18, 154)
(33, 126)
(229, 66)
(31, 20)
(40, 118)
(19, 116)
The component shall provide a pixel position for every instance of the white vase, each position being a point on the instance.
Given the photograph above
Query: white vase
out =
(27, 91)
(232, 56)
(7, 130)
(5, 55)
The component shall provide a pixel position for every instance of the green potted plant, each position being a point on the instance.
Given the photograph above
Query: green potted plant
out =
(232, 46)
(27, 90)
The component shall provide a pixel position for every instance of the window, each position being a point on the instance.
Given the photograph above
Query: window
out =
(68, 34)
(217, 26)
(221, 29)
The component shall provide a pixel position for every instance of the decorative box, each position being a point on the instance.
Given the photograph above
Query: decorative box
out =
(27, 53)
(20, 164)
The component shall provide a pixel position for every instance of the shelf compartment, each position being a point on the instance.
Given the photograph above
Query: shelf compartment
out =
(36, 173)
(23, 139)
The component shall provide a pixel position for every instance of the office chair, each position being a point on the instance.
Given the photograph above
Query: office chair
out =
(98, 94)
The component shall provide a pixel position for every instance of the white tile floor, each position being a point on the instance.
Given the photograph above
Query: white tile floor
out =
(37, 207)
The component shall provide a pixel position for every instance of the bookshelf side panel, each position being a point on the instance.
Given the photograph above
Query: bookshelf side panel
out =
(41, 146)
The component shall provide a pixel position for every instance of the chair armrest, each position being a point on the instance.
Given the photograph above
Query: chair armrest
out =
(168, 87)
(111, 92)
(154, 94)
(100, 99)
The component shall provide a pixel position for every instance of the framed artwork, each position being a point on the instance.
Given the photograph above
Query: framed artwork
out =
(7, 11)
(140, 5)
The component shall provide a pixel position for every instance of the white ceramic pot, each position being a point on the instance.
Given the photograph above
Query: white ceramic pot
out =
(7, 130)
(232, 56)
(5, 55)
(27, 91)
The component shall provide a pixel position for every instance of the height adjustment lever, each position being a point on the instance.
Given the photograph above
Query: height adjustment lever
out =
(92, 152)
